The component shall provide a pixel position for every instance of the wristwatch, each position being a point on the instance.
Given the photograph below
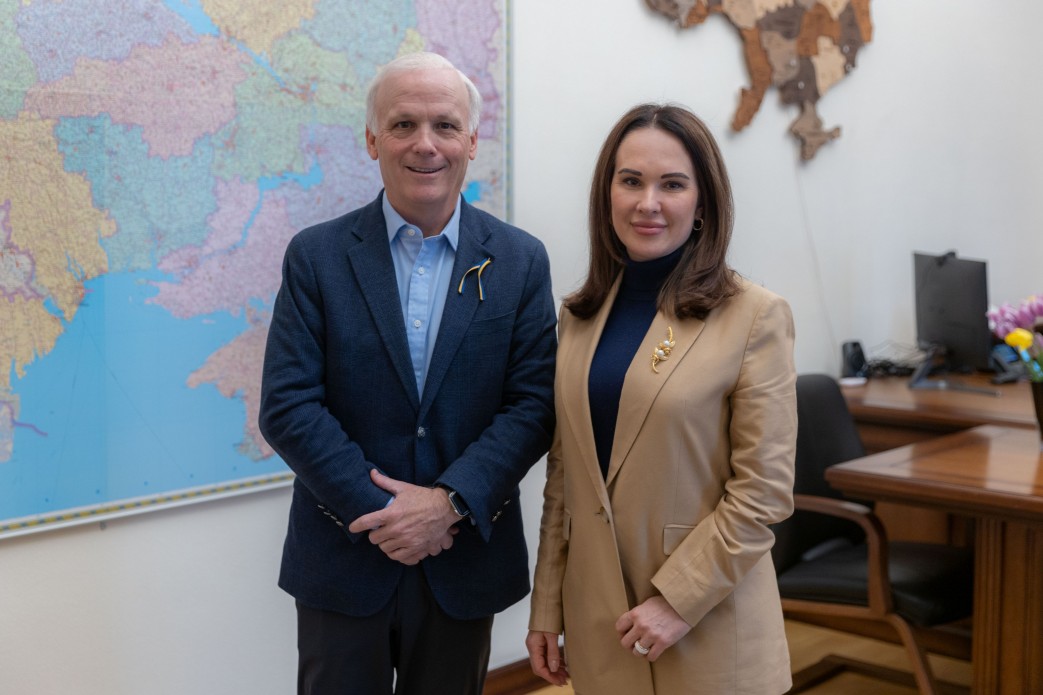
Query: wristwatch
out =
(459, 506)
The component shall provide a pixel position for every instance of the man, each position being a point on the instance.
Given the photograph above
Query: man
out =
(408, 383)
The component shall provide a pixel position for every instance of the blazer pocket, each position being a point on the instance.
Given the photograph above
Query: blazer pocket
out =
(673, 536)
(503, 322)
(566, 525)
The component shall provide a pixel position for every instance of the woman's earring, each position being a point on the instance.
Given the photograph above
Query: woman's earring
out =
(697, 226)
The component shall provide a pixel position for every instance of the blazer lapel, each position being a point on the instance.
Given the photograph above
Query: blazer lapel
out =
(459, 306)
(575, 371)
(641, 385)
(370, 259)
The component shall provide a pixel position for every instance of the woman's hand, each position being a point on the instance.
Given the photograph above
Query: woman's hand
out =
(545, 657)
(650, 629)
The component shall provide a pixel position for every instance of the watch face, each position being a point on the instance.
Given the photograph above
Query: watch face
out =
(454, 500)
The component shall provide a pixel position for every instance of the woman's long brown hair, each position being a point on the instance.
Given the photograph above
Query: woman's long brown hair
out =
(702, 279)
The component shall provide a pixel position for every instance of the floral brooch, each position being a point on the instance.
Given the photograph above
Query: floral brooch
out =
(662, 350)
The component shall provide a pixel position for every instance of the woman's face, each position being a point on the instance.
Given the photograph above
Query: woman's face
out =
(655, 199)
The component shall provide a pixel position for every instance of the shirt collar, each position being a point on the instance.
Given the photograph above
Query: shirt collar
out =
(395, 222)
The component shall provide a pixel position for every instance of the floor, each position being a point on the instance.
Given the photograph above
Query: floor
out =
(808, 644)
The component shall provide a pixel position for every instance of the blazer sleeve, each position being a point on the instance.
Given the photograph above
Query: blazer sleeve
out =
(293, 417)
(490, 469)
(546, 613)
(726, 544)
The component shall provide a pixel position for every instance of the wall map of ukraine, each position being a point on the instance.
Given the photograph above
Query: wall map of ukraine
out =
(802, 47)
(155, 160)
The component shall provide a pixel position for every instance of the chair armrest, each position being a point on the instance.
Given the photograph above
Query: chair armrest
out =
(879, 583)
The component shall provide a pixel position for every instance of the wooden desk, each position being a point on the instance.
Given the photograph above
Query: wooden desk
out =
(890, 414)
(994, 474)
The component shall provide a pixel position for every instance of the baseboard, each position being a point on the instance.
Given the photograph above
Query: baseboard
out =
(513, 679)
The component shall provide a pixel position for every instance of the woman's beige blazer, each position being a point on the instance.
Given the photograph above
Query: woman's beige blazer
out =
(702, 463)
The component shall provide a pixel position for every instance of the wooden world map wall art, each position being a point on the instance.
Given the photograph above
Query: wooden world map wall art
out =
(801, 47)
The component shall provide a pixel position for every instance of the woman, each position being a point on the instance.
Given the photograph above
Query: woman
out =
(675, 438)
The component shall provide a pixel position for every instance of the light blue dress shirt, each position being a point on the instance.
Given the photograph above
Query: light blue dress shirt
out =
(423, 268)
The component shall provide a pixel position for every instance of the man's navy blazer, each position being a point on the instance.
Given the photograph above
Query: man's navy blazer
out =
(339, 397)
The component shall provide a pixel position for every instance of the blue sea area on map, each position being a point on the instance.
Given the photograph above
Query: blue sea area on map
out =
(193, 13)
(473, 192)
(108, 415)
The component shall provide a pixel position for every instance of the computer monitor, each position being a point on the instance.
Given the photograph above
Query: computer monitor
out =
(951, 297)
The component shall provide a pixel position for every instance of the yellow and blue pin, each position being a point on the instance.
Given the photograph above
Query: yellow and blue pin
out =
(477, 269)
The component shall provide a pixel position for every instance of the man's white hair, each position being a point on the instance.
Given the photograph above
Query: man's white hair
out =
(421, 61)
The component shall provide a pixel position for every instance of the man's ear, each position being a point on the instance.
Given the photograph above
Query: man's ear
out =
(472, 151)
(371, 144)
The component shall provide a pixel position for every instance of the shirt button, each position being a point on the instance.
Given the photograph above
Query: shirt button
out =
(416, 323)
(420, 271)
(421, 432)
(410, 231)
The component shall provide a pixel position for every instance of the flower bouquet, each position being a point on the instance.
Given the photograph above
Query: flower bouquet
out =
(1018, 327)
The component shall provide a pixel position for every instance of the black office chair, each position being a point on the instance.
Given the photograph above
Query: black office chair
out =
(845, 575)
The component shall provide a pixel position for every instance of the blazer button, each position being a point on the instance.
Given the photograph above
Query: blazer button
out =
(421, 432)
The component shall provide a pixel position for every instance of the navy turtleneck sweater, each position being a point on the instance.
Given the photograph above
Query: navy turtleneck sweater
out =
(625, 328)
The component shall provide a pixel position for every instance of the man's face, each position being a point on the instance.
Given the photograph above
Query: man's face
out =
(422, 144)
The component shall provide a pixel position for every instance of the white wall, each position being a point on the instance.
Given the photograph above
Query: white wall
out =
(170, 602)
(940, 150)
